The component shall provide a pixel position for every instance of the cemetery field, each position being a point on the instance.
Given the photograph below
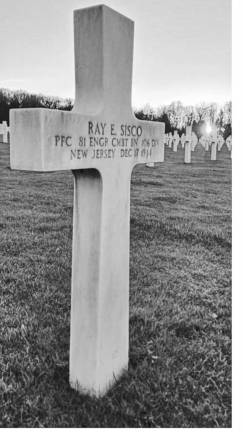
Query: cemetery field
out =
(180, 301)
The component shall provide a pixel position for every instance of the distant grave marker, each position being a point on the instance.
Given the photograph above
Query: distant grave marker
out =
(194, 141)
(213, 141)
(4, 132)
(151, 164)
(200, 154)
(220, 141)
(213, 151)
(205, 142)
(173, 150)
(175, 141)
(101, 141)
(229, 144)
(182, 140)
(170, 139)
(224, 154)
(188, 144)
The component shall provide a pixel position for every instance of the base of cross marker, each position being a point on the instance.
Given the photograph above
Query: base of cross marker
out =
(187, 158)
(98, 392)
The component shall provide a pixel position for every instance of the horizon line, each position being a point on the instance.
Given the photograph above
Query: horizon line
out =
(134, 106)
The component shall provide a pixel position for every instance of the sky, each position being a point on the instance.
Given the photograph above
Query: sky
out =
(182, 48)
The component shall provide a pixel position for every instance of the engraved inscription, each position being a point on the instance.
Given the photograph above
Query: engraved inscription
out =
(105, 140)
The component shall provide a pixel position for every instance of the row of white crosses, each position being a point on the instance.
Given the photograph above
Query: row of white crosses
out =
(100, 141)
(173, 140)
(213, 141)
(216, 141)
(4, 132)
(188, 142)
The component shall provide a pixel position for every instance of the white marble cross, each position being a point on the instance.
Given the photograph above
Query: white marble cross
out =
(175, 140)
(194, 141)
(204, 141)
(4, 131)
(151, 164)
(213, 140)
(188, 144)
(229, 142)
(182, 139)
(220, 141)
(100, 141)
(170, 138)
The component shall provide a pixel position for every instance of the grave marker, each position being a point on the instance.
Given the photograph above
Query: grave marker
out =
(205, 142)
(166, 139)
(213, 139)
(101, 141)
(229, 142)
(4, 132)
(194, 141)
(188, 144)
(175, 141)
(182, 139)
(169, 141)
(220, 141)
(151, 164)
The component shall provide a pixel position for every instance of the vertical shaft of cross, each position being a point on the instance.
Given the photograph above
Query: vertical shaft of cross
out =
(213, 140)
(103, 61)
(100, 280)
(213, 151)
(85, 277)
(187, 158)
(188, 147)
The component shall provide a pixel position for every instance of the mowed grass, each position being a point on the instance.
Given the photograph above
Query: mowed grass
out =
(180, 301)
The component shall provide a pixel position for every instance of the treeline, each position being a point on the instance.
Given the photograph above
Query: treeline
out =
(176, 116)
(21, 99)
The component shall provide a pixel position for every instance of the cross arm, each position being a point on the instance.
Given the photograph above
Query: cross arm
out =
(30, 137)
(152, 141)
(52, 140)
(48, 140)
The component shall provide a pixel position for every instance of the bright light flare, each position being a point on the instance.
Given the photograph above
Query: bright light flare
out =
(208, 128)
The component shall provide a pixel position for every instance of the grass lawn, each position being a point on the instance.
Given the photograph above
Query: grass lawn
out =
(180, 301)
